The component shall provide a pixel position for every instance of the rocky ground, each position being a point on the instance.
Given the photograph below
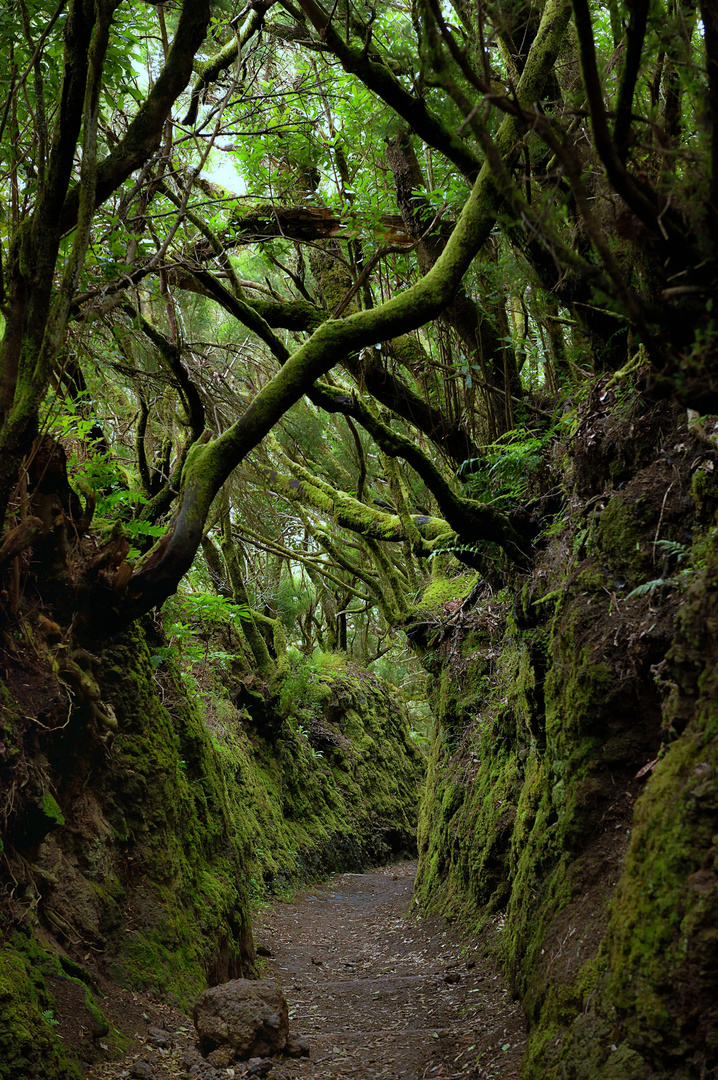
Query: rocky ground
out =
(374, 990)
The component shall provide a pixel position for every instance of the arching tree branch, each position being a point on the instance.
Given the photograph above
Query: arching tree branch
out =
(210, 462)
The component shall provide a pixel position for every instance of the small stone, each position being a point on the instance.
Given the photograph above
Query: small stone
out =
(204, 1071)
(260, 1066)
(297, 1046)
(160, 1038)
(190, 1058)
(222, 1057)
(142, 1070)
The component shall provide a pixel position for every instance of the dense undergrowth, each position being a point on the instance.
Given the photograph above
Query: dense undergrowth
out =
(136, 849)
(571, 795)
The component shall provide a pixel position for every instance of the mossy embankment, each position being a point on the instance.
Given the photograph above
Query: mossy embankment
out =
(136, 850)
(570, 814)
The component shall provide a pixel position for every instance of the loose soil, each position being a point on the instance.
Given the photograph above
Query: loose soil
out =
(375, 990)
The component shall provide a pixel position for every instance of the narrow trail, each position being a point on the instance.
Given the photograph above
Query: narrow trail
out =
(378, 994)
(375, 991)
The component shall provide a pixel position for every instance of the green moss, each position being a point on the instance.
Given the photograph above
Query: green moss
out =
(517, 779)
(29, 1045)
(621, 541)
(704, 489)
(455, 874)
(662, 938)
(545, 711)
(186, 828)
(591, 578)
(442, 590)
(167, 961)
(51, 810)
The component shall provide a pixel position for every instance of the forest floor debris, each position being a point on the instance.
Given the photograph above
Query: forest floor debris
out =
(374, 990)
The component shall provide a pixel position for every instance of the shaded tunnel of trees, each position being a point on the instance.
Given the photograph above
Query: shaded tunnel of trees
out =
(304, 307)
(340, 266)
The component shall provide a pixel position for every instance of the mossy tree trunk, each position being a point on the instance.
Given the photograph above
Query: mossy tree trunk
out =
(37, 308)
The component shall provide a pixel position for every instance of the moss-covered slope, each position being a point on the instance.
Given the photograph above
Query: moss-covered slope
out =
(570, 813)
(138, 851)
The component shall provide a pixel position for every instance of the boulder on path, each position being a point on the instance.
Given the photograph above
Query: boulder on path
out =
(251, 1018)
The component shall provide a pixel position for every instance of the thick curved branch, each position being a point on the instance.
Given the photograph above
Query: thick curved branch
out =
(387, 387)
(209, 463)
(350, 514)
(368, 370)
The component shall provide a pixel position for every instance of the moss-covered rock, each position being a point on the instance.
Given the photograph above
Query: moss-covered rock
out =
(28, 1043)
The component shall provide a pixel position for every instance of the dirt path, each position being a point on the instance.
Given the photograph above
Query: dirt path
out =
(375, 993)
(380, 995)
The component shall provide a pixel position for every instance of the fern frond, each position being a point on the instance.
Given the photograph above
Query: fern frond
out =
(649, 586)
(673, 549)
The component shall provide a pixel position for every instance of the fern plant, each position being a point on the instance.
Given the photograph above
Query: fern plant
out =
(501, 476)
(649, 587)
(672, 549)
